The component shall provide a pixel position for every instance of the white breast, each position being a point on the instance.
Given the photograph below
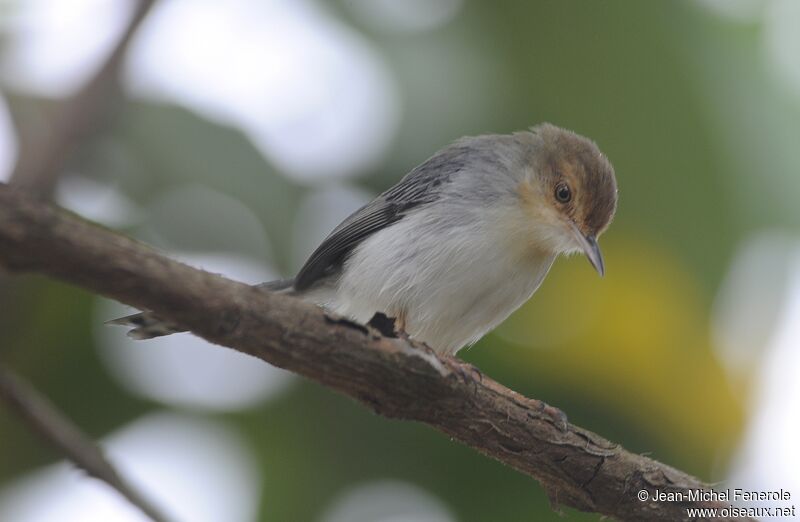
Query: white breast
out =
(451, 276)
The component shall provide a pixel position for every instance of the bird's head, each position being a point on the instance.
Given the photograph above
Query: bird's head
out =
(569, 193)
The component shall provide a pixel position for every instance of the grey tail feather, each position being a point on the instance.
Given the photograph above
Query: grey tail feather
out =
(146, 325)
(281, 286)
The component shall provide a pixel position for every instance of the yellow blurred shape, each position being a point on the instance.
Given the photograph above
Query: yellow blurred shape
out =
(636, 341)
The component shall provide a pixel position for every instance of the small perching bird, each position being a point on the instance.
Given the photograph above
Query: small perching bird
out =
(460, 242)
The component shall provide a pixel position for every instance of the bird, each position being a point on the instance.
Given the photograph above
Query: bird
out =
(460, 242)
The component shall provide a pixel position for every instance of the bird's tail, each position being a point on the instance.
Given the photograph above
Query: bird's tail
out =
(147, 325)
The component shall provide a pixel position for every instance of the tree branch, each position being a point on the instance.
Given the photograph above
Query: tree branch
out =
(396, 379)
(43, 417)
(42, 160)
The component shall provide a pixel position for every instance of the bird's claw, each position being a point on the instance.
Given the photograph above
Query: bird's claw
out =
(473, 369)
(556, 416)
(385, 325)
(467, 372)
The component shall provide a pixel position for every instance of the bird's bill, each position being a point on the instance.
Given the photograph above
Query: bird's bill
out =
(591, 249)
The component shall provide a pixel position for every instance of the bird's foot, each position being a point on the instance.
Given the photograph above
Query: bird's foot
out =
(556, 416)
(394, 328)
(385, 325)
(473, 370)
(467, 372)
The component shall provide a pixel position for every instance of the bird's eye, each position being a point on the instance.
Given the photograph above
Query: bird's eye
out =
(563, 193)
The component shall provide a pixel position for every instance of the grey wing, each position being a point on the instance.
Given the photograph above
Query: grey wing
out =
(422, 185)
(331, 254)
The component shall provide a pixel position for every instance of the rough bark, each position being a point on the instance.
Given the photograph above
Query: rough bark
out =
(393, 377)
(59, 431)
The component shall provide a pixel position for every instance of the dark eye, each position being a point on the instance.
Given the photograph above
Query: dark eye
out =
(563, 193)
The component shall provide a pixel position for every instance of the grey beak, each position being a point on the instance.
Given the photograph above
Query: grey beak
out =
(592, 251)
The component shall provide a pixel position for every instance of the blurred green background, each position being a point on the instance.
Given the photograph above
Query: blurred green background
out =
(249, 129)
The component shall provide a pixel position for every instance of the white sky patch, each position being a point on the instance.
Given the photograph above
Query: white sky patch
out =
(311, 94)
(56, 45)
(96, 201)
(750, 299)
(8, 142)
(769, 457)
(782, 42)
(387, 501)
(193, 469)
(742, 11)
(182, 369)
(408, 16)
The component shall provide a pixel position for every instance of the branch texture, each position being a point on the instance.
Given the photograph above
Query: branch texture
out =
(393, 377)
(54, 427)
(42, 160)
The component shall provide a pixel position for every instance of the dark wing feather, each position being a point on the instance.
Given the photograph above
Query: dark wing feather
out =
(422, 185)
(331, 253)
